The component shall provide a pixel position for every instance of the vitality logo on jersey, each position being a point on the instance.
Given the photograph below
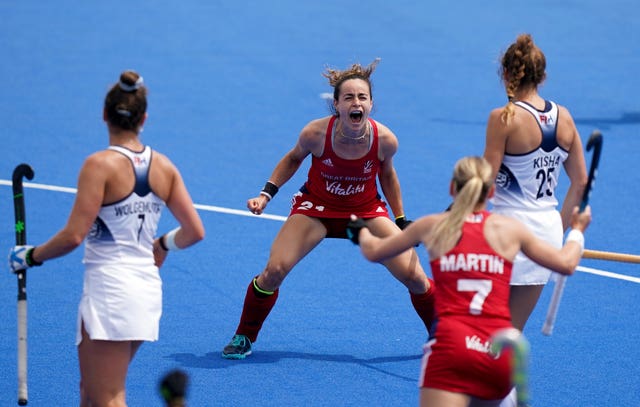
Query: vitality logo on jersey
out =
(337, 188)
(475, 343)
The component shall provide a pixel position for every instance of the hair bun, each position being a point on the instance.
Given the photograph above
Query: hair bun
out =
(130, 81)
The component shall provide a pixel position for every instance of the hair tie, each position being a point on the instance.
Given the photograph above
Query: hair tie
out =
(123, 112)
(510, 99)
(130, 88)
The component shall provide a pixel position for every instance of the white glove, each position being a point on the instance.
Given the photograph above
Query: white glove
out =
(20, 258)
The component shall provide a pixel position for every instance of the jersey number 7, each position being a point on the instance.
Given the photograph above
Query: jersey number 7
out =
(482, 288)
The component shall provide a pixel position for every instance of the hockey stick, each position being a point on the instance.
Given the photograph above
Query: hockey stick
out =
(513, 339)
(611, 256)
(22, 170)
(595, 142)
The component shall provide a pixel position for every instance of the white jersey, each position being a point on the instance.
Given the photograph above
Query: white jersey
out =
(123, 232)
(122, 290)
(529, 180)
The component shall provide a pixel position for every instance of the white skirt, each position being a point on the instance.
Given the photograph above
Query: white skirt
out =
(546, 225)
(120, 303)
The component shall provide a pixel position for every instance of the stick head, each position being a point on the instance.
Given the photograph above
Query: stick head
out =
(595, 140)
(22, 171)
(595, 143)
(507, 338)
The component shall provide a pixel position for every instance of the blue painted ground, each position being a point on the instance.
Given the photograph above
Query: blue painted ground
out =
(231, 84)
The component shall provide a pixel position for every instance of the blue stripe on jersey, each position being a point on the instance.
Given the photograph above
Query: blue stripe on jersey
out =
(99, 231)
(505, 179)
(140, 162)
(547, 120)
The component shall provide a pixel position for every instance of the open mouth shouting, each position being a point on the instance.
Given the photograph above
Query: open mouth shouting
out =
(356, 116)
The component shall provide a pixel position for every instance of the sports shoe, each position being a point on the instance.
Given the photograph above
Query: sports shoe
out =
(238, 348)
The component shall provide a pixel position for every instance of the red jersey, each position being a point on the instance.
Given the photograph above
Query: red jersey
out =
(337, 187)
(472, 303)
(472, 279)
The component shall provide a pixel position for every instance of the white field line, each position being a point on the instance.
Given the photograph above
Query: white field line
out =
(229, 211)
(197, 206)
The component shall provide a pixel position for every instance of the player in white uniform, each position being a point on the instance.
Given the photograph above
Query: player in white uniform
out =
(528, 143)
(121, 193)
(525, 189)
(122, 293)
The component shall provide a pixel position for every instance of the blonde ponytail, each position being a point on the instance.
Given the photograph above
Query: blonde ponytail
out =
(471, 181)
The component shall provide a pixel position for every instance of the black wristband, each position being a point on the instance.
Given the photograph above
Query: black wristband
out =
(163, 244)
(29, 258)
(402, 222)
(270, 190)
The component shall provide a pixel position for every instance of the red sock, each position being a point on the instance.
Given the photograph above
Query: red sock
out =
(424, 305)
(254, 312)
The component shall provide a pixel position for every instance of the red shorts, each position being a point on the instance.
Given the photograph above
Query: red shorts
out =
(335, 219)
(457, 360)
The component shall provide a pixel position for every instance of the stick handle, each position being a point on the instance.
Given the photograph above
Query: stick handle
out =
(612, 256)
(595, 143)
(22, 353)
(552, 312)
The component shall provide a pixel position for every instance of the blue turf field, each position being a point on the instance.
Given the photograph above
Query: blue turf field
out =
(231, 84)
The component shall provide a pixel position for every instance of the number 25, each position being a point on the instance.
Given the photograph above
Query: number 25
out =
(545, 178)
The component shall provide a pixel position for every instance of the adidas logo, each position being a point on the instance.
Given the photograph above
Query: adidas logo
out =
(328, 162)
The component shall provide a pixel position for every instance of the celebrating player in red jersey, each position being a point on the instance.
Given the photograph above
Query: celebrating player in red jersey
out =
(471, 253)
(350, 152)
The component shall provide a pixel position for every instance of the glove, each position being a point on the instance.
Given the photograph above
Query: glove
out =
(21, 258)
(402, 222)
(174, 385)
(353, 229)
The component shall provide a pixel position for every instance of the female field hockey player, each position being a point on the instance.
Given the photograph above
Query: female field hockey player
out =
(121, 193)
(528, 143)
(471, 252)
(350, 152)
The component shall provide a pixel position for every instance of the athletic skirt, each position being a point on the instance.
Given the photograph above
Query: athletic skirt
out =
(458, 359)
(120, 303)
(547, 225)
(335, 219)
